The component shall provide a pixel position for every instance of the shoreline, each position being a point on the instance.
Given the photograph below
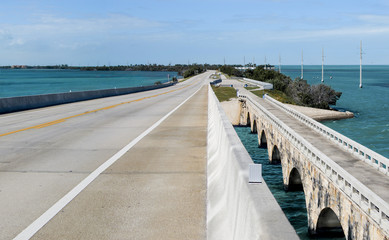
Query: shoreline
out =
(232, 110)
(321, 114)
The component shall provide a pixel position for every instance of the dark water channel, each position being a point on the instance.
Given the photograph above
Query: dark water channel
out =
(292, 203)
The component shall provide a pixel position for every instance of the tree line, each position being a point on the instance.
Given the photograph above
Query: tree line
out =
(182, 69)
(302, 93)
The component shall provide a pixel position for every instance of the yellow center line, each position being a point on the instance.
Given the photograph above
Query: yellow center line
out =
(39, 126)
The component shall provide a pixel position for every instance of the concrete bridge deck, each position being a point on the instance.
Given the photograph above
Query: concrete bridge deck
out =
(345, 184)
(367, 175)
(56, 181)
(157, 190)
(47, 153)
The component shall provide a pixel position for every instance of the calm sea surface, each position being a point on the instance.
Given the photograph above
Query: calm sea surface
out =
(370, 126)
(292, 203)
(24, 82)
(370, 104)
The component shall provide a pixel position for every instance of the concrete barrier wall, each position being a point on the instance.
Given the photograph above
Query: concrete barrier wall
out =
(14, 104)
(265, 85)
(235, 208)
(216, 82)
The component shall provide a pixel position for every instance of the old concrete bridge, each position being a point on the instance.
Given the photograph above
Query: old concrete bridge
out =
(345, 184)
(168, 164)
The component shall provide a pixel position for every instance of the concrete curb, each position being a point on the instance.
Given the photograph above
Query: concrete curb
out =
(14, 104)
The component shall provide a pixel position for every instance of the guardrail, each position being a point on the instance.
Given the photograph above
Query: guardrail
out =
(368, 201)
(237, 209)
(214, 82)
(265, 85)
(363, 153)
(14, 104)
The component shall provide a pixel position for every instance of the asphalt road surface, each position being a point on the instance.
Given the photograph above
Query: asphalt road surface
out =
(45, 153)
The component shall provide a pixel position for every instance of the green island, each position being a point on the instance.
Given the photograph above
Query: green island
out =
(297, 92)
(286, 90)
(185, 70)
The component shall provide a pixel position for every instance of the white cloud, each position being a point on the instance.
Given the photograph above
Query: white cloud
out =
(377, 19)
(257, 36)
(16, 42)
(5, 35)
(72, 33)
(109, 23)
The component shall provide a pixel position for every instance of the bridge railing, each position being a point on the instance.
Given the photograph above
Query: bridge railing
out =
(373, 205)
(363, 153)
(265, 85)
(237, 209)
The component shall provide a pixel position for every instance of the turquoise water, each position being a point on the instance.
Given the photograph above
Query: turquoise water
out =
(370, 126)
(24, 82)
(292, 203)
(370, 104)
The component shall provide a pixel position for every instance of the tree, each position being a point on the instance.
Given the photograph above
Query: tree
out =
(323, 96)
(319, 96)
(193, 70)
(280, 81)
(231, 71)
(299, 91)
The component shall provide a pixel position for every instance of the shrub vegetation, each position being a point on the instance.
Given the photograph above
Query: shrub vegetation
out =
(296, 91)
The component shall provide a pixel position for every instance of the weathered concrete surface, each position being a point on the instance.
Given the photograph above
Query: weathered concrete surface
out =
(320, 192)
(232, 110)
(322, 114)
(157, 190)
(236, 208)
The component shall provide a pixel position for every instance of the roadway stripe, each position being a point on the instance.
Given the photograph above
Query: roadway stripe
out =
(92, 111)
(58, 206)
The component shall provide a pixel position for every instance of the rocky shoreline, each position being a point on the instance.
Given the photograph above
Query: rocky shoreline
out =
(322, 114)
(232, 110)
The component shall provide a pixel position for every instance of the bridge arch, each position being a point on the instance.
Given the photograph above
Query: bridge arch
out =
(248, 120)
(275, 155)
(295, 181)
(262, 140)
(330, 210)
(254, 128)
(328, 224)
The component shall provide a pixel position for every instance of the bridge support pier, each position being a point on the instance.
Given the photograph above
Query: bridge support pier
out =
(262, 141)
(330, 212)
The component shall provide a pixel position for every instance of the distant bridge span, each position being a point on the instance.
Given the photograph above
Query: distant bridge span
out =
(345, 184)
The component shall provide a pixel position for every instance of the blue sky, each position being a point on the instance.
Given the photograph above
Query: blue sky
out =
(100, 32)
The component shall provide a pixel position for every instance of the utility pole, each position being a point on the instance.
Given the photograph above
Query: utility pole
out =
(302, 63)
(360, 67)
(322, 64)
(279, 63)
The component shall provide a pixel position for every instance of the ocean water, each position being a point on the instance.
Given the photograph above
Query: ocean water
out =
(25, 82)
(370, 126)
(292, 203)
(370, 104)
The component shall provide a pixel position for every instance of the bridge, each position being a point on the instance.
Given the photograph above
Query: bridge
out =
(345, 184)
(167, 164)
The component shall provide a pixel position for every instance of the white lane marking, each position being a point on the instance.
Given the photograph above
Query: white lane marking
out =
(58, 206)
